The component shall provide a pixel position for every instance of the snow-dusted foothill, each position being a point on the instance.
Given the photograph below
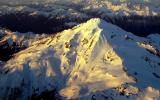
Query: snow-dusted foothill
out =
(13, 42)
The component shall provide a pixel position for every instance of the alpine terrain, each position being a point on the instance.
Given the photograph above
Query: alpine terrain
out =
(79, 50)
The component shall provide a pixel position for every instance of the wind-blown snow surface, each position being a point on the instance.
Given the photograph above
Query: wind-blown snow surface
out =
(94, 60)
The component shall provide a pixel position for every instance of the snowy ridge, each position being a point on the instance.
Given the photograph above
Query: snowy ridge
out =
(92, 60)
(25, 39)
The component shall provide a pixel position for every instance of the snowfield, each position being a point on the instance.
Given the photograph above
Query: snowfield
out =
(93, 60)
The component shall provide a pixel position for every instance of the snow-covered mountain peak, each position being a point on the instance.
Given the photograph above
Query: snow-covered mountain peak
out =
(88, 61)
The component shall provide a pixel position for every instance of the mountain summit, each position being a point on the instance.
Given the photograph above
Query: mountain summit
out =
(94, 60)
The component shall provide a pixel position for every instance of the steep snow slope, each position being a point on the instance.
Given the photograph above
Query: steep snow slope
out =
(94, 60)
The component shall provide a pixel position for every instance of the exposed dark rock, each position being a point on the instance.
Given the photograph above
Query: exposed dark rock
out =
(156, 75)
(6, 51)
(47, 95)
